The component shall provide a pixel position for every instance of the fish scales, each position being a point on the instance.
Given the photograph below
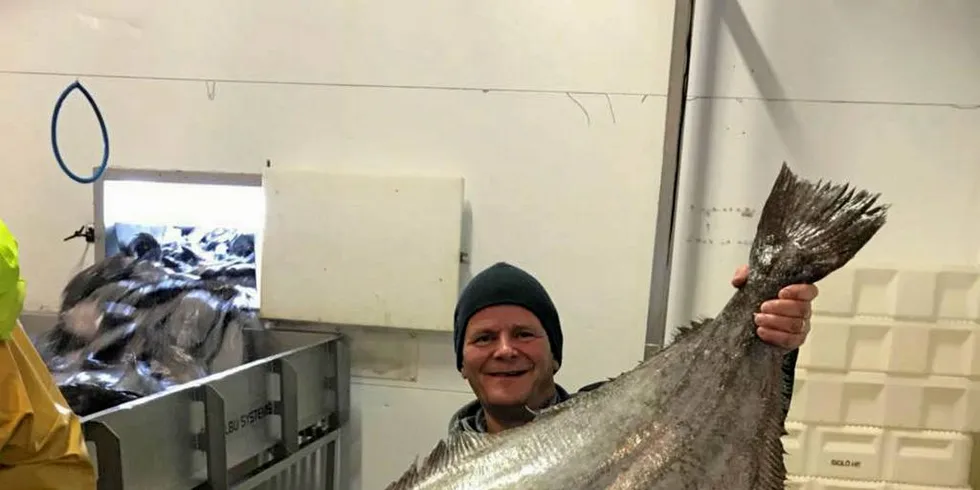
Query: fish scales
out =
(707, 412)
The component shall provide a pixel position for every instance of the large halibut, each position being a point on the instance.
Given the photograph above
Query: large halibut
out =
(704, 413)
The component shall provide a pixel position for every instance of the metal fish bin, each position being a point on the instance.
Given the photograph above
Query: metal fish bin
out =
(275, 422)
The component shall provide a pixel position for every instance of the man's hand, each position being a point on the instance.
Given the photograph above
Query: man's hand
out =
(785, 321)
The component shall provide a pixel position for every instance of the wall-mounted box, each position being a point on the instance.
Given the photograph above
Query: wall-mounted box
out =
(368, 250)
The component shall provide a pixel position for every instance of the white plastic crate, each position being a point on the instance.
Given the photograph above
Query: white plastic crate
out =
(943, 403)
(877, 454)
(883, 345)
(888, 384)
(923, 294)
(927, 457)
(807, 483)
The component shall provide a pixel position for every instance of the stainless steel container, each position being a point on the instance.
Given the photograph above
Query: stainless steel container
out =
(274, 422)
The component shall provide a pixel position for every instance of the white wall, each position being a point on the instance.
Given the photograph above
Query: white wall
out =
(883, 94)
(553, 112)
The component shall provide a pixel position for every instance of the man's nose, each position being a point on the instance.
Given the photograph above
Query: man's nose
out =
(505, 347)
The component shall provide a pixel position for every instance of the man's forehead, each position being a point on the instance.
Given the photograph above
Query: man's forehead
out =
(505, 313)
(498, 326)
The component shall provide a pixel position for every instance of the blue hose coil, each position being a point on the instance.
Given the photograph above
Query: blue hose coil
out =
(54, 135)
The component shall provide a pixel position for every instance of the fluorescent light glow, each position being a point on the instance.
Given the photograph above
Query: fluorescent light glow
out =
(199, 205)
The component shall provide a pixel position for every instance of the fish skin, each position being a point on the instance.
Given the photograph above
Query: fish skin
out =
(704, 413)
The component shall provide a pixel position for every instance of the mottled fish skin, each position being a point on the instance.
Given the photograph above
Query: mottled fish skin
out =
(704, 413)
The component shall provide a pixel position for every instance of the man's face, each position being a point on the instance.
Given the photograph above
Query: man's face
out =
(507, 359)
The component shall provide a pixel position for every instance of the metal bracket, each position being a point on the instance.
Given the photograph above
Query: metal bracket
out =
(286, 406)
(108, 454)
(663, 247)
(213, 438)
(85, 231)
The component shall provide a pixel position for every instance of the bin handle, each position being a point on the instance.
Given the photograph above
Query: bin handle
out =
(108, 454)
(213, 441)
(286, 407)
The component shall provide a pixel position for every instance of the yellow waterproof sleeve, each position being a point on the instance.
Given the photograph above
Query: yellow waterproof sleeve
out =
(41, 442)
(11, 285)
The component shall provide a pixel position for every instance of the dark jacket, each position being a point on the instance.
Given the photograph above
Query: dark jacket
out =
(470, 418)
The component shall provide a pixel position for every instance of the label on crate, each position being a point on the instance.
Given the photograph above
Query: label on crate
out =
(249, 418)
(846, 463)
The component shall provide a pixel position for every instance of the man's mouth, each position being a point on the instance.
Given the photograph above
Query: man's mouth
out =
(509, 374)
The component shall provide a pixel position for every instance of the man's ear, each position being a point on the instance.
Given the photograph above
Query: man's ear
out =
(554, 366)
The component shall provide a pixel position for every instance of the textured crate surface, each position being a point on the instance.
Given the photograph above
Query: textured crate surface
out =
(930, 295)
(888, 346)
(944, 403)
(878, 454)
(809, 483)
(888, 383)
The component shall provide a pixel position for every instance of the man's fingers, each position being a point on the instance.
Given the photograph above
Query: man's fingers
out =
(741, 276)
(801, 292)
(786, 307)
(781, 339)
(788, 324)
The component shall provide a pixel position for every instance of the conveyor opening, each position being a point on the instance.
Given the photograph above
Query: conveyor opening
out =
(173, 294)
(201, 227)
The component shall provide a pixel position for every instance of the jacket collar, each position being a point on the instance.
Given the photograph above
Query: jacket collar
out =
(471, 417)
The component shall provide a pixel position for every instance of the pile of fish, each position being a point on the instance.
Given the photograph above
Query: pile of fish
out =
(704, 413)
(158, 313)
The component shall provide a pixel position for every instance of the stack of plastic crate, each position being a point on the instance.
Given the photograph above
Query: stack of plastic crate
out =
(886, 393)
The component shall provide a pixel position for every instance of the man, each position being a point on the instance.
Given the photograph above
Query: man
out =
(41, 441)
(508, 342)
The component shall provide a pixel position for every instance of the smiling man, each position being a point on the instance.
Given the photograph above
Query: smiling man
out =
(508, 341)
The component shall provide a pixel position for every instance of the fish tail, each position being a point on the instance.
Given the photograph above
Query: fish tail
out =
(808, 230)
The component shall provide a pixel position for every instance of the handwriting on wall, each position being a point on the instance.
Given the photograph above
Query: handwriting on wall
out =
(712, 215)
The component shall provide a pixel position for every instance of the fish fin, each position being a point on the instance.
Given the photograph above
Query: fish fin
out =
(446, 453)
(808, 230)
(684, 330)
(407, 479)
(772, 471)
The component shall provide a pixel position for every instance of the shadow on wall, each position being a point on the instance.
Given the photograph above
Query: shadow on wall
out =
(466, 245)
(695, 157)
(783, 119)
(353, 433)
(698, 150)
(975, 463)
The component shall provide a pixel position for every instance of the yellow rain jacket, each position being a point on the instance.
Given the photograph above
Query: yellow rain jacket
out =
(41, 441)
